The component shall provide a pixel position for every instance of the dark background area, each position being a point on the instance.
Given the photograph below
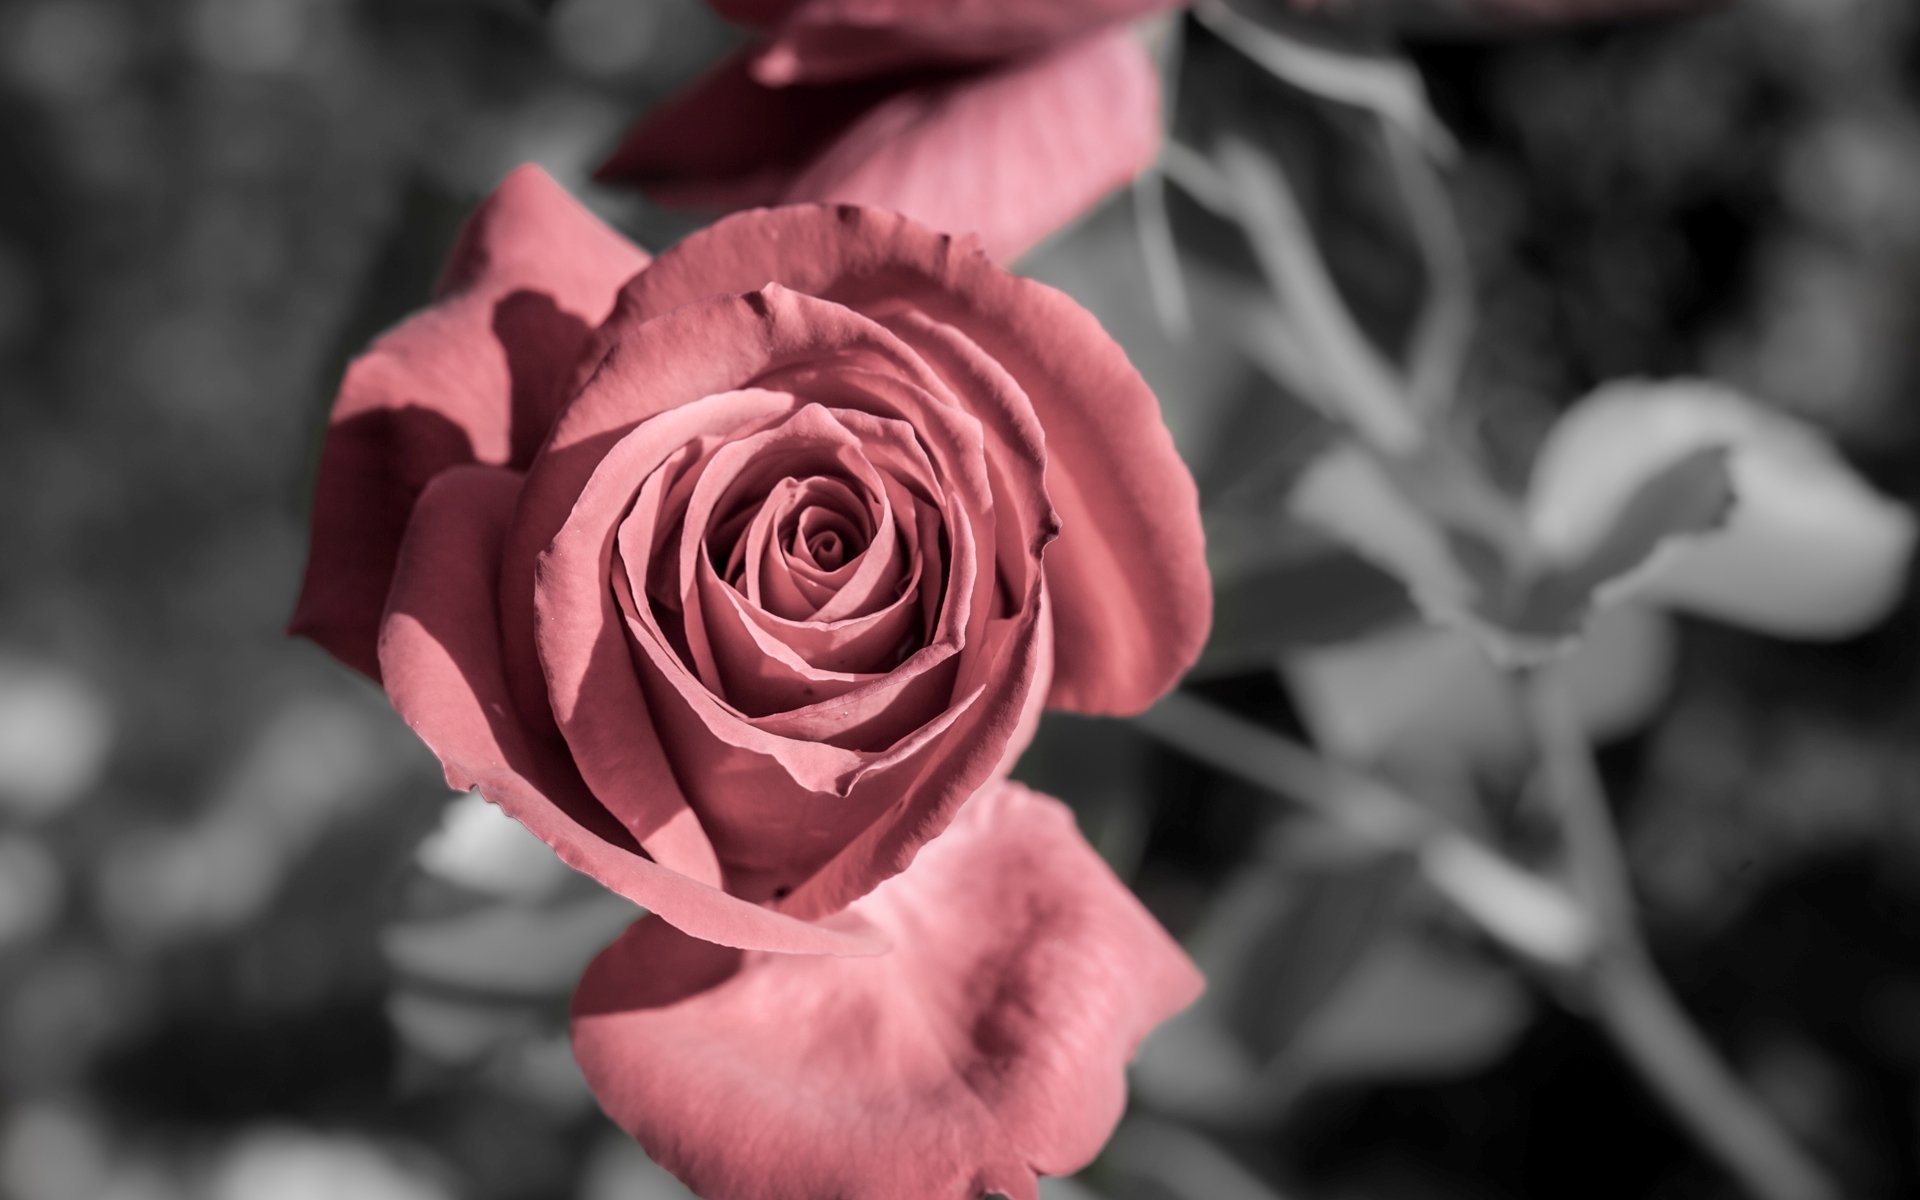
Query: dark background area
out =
(206, 207)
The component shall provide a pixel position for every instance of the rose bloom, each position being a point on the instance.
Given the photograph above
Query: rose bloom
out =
(1002, 118)
(734, 576)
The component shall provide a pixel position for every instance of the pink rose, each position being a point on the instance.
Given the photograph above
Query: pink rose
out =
(733, 575)
(1002, 118)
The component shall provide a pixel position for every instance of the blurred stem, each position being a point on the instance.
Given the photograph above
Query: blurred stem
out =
(1366, 390)
(1445, 327)
(1573, 786)
(1152, 225)
(1629, 999)
(1382, 84)
(1531, 916)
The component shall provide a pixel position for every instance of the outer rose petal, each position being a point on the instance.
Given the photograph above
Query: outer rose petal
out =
(753, 12)
(986, 1048)
(728, 141)
(848, 39)
(1012, 154)
(440, 652)
(1127, 576)
(471, 379)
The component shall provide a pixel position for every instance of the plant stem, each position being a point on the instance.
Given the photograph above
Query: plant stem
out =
(1531, 916)
(1444, 331)
(1629, 999)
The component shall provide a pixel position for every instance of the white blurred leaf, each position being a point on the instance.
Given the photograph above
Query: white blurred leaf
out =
(1809, 550)
(484, 850)
(491, 938)
(506, 948)
(1428, 691)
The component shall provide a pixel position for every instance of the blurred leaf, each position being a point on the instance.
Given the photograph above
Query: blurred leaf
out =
(482, 849)
(512, 950)
(1353, 496)
(1686, 493)
(1319, 594)
(1687, 497)
(1810, 549)
(1278, 941)
(1430, 693)
(1414, 1009)
(490, 939)
(1277, 950)
(1691, 495)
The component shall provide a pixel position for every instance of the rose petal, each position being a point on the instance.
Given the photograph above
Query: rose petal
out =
(440, 651)
(729, 342)
(470, 379)
(1127, 575)
(986, 1048)
(752, 12)
(1005, 712)
(596, 698)
(1013, 153)
(729, 141)
(817, 40)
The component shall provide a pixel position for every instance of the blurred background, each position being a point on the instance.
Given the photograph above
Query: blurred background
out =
(206, 829)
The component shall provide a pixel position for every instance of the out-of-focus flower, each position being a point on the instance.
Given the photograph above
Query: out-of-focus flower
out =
(986, 1047)
(722, 574)
(1002, 119)
(1807, 550)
